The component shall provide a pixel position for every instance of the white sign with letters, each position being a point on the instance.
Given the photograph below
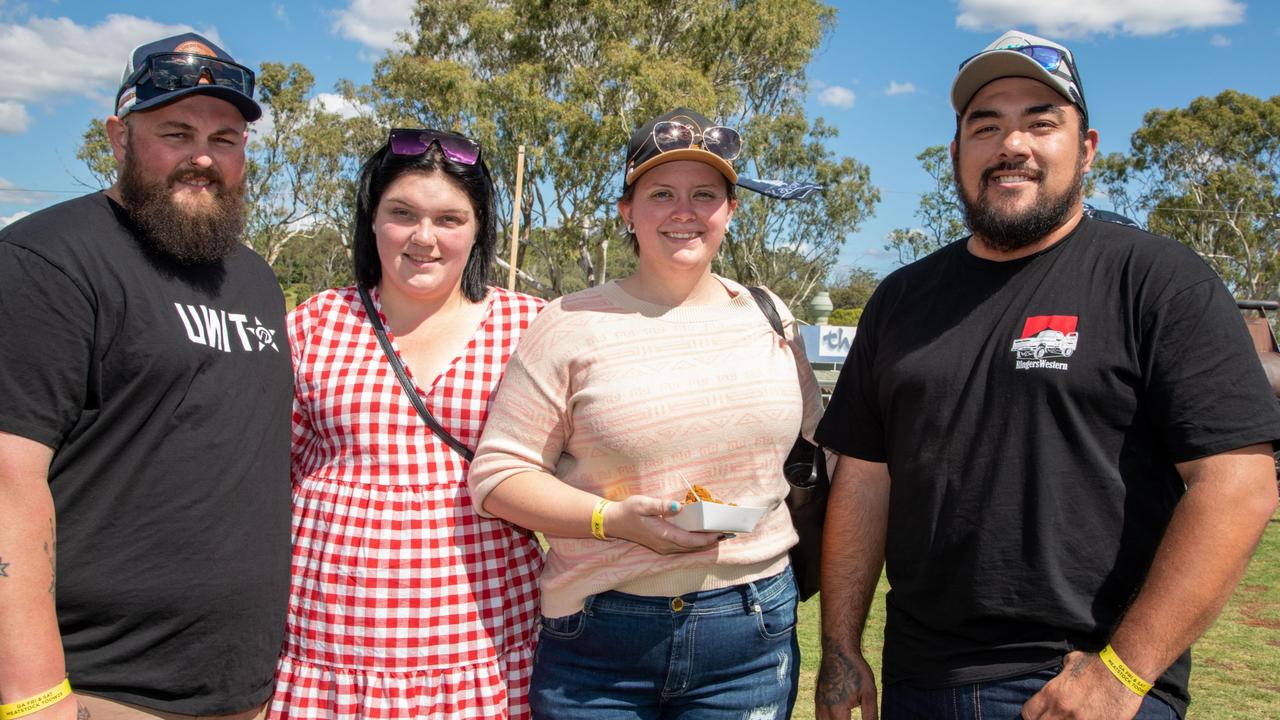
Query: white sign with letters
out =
(834, 341)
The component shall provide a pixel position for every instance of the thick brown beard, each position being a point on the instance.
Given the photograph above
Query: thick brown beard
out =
(1006, 233)
(191, 238)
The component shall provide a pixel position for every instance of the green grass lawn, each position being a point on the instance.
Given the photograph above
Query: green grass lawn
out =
(1235, 667)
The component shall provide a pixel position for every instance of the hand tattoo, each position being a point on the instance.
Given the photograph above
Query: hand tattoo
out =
(3, 566)
(1082, 665)
(82, 712)
(838, 677)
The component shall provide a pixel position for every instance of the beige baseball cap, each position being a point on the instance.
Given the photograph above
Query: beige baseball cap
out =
(1019, 54)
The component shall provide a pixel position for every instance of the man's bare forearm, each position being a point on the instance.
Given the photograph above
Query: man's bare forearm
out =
(853, 548)
(1201, 557)
(1204, 553)
(852, 557)
(31, 659)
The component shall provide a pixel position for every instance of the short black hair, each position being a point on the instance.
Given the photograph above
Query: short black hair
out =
(383, 168)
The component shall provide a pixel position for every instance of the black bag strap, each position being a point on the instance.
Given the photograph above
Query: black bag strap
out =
(406, 383)
(804, 466)
(768, 308)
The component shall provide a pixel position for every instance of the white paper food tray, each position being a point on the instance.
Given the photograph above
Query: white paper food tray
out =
(703, 516)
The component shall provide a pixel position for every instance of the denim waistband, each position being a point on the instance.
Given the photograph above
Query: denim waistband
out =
(745, 598)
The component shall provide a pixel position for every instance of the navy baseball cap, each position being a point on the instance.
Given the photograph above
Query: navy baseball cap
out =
(163, 71)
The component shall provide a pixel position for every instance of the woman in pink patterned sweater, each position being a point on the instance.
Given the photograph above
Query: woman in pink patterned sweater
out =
(615, 396)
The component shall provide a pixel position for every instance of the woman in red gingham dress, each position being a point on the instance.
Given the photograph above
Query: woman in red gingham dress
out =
(406, 603)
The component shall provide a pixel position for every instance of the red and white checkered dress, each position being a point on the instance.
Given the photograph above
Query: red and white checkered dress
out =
(405, 603)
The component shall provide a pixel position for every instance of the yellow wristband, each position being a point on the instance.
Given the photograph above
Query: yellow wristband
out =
(597, 519)
(36, 702)
(1123, 673)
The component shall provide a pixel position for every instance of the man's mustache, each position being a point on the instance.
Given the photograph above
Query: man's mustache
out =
(187, 175)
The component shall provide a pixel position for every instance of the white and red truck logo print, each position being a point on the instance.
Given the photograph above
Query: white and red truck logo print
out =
(1044, 339)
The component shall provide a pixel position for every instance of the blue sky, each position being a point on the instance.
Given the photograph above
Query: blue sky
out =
(882, 78)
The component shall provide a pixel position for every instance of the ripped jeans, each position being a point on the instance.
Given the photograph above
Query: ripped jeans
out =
(728, 654)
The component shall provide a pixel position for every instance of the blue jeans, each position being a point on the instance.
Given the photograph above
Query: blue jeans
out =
(713, 655)
(990, 700)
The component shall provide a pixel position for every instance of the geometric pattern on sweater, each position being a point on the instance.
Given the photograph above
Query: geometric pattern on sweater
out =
(616, 396)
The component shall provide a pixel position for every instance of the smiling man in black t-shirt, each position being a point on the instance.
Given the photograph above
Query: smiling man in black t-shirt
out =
(1054, 435)
(144, 426)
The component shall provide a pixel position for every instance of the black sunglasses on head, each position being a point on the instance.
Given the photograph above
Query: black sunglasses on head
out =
(175, 71)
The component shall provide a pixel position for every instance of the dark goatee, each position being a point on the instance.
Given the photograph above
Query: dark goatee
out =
(191, 237)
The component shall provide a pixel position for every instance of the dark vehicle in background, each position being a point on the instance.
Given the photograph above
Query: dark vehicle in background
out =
(1257, 317)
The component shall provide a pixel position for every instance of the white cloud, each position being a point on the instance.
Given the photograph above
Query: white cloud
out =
(339, 105)
(47, 59)
(13, 117)
(263, 126)
(1220, 40)
(13, 218)
(374, 23)
(897, 88)
(1084, 17)
(836, 96)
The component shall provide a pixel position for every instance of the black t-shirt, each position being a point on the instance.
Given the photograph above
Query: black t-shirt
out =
(165, 392)
(1030, 413)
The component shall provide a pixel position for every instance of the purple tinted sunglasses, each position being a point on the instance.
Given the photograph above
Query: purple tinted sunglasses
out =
(411, 141)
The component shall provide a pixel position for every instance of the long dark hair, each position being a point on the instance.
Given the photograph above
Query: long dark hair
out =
(376, 175)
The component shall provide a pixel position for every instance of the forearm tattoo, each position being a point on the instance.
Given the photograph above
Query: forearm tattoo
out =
(51, 550)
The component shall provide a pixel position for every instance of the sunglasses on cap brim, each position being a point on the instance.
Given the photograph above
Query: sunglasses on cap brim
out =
(176, 71)
(1049, 58)
(411, 141)
(723, 142)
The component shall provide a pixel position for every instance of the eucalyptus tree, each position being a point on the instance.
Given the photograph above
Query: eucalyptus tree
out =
(1208, 175)
(939, 212)
(570, 81)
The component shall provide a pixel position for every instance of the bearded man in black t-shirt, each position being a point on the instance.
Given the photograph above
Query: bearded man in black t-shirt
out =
(144, 428)
(1053, 435)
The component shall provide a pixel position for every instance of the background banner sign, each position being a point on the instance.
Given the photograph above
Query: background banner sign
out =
(827, 343)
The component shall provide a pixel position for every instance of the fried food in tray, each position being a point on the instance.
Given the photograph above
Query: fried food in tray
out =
(704, 512)
(700, 493)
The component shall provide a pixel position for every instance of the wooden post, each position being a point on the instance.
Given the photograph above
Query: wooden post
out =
(604, 258)
(515, 218)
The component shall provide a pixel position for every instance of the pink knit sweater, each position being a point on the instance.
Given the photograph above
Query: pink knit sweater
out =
(614, 395)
